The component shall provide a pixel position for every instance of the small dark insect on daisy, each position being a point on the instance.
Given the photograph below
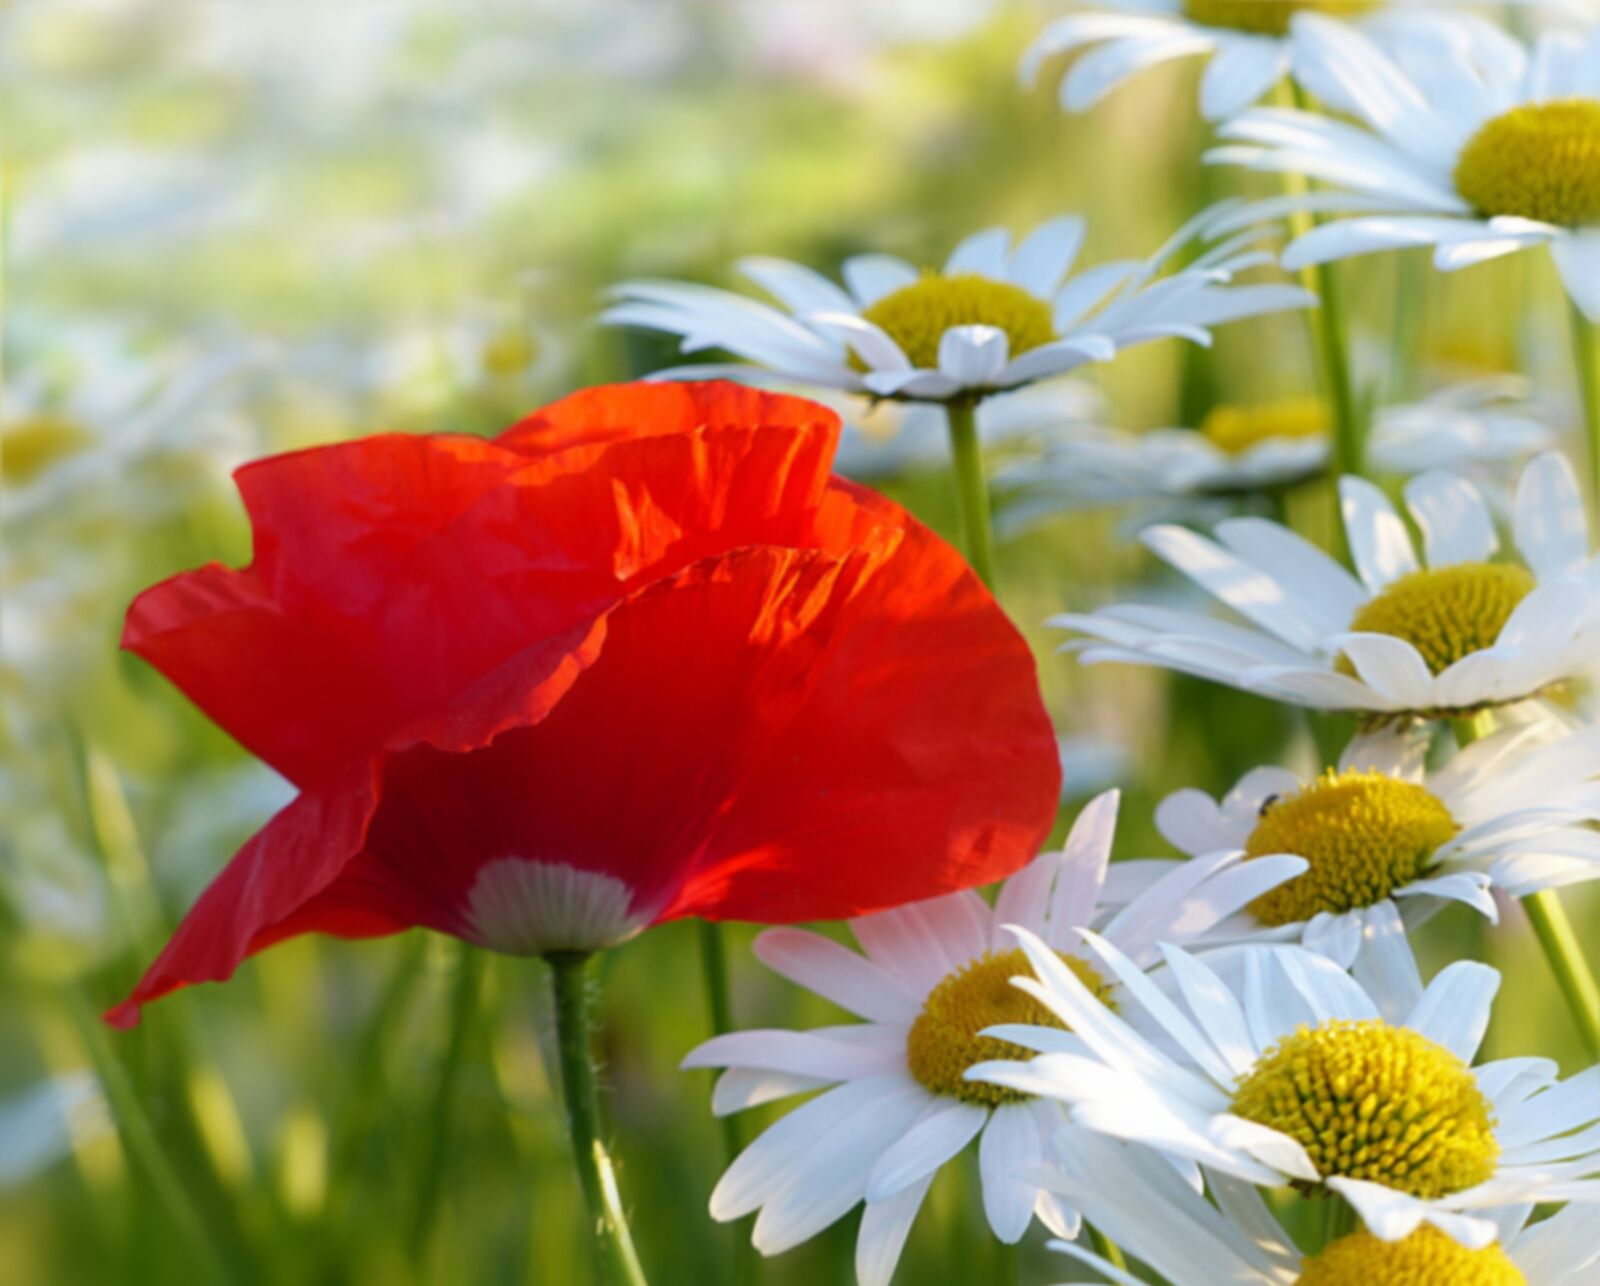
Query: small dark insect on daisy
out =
(1267, 803)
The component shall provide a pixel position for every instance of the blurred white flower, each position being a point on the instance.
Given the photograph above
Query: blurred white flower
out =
(40, 1125)
(1250, 449)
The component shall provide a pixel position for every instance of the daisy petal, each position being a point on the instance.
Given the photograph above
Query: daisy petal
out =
(1454, 1011)
(1456, 524)
(926, 1146)
(1378, 540)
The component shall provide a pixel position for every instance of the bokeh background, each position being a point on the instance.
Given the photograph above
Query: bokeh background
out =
(231, 228)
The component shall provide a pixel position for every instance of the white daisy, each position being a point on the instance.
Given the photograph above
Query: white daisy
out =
(1242, 450)
(996, 317)
(1251, 44)
(895, 1105)
(1475, 156)
(1456, 635)
(1512, 811)
(1237, 1241)
(1296, 1077)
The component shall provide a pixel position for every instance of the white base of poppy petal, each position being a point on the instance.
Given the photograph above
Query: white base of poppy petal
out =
(526, 908)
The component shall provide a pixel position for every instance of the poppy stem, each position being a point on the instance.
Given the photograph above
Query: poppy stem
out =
(972, 491)
(619, 1262)
(1574, 976)
(1586, 358)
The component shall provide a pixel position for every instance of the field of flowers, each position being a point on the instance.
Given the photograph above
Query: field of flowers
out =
(774, 641)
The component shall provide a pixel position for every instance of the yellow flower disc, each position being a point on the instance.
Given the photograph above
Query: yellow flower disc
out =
(30, 446)
(1446, 613)
(1235, 429)
(944, 1041)
(1540, 162)
(1370, 1101)
(1364, 834)
(917, 316)
(1267, 17)
(1426, 1258)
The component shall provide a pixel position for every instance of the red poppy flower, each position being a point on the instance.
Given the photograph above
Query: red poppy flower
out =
(639, 658)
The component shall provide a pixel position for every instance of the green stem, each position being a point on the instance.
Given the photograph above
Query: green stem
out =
(436, 1145)
(619, 1262)
(1586, 357)
(972, 491)
(1106, 1248)
(1472, 728)
(1552, 926)
(719, 1004)
(1337, 1220)
(1573, 974)
(1331, 340)
(1413, 271)
(1349, 437)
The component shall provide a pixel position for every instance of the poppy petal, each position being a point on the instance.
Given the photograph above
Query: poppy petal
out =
(615, 412)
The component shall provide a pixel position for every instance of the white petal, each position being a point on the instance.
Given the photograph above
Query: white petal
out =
(834, 971)
(983, 253)
(1552, 530)
(884, 1228)
(1084, 861)
(825, 1052)
(926, 1146)
(1454, 1011)
(1455, 521)
(1240, 72)
(768, 1161)
(973, 356)
(1387, 968)
(1378, 540)
(871, 277)
(1046, 255)
(739, 1088)
(1578, 261)
(1012, 1143)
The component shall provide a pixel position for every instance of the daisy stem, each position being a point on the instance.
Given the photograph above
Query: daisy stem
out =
(1552, 926)
(1337, 1220)
(1559, 941)
(569, 982)
(1107, 1249)
(1331, 336)
(719, 1003)
(1586, 357)
(972, 491)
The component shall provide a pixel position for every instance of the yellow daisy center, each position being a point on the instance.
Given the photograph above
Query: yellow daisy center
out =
(917, 316)
(1426, 1258)
(944, 1040)
(1364, 834)
(508, 352)
(1235, 429)
(31, 445)
(1375, 1102)
(1446, 613)
(1267, 17)
(1540, 162)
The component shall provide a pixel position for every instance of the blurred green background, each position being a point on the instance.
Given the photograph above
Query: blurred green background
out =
(235, 228)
